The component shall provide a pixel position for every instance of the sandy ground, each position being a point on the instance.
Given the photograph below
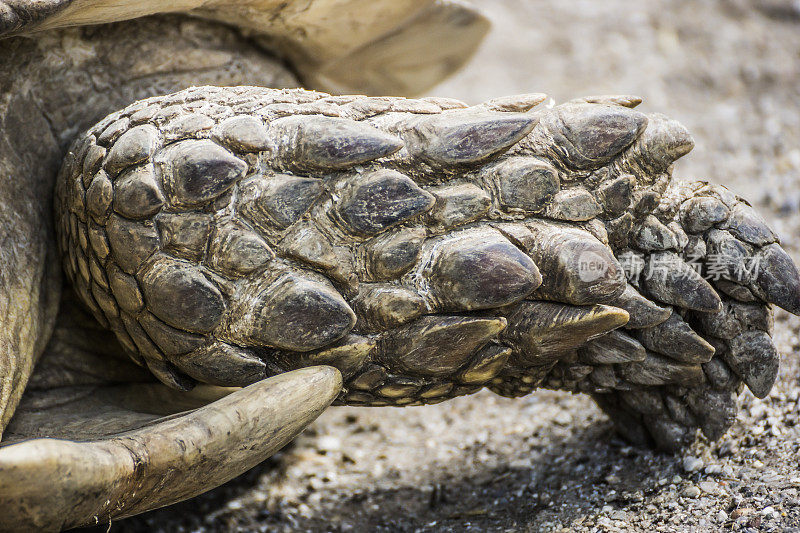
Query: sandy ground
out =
(730, 71)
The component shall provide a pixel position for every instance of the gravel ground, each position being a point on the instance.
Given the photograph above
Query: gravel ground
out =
(730, 71)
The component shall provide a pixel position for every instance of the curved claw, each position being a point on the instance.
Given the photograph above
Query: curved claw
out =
(51, 483)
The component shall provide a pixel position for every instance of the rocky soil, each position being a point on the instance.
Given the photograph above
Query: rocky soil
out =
(730, 71)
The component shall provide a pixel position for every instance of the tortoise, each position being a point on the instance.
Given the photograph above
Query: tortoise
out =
(241, 253)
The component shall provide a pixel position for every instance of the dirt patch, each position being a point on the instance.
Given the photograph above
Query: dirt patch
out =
(730, 71)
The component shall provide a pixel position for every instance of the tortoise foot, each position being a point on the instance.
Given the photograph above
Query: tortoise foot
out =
(660, 383)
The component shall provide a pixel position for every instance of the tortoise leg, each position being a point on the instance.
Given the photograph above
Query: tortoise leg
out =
(425, 248)
(99, 448)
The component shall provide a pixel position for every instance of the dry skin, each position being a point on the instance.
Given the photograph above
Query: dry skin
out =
(728, 70)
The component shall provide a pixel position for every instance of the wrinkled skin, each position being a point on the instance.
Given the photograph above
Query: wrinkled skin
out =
(422, 248)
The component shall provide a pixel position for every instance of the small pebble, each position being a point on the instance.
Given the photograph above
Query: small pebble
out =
(692, 464)
(727, 448)
(618, 515)
(722, 516)
(759, 410)
(741, 511)
(628, 451)
(691, 492)
(329, 443)
(606, 523)
(563, 418)
(708, 486)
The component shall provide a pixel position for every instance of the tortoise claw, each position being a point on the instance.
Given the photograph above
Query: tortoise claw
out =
(711, 355)
(53, 483)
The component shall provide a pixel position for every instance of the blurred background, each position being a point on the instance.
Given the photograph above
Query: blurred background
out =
(730, 71)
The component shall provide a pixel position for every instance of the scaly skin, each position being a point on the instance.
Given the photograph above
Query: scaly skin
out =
(423, 248)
